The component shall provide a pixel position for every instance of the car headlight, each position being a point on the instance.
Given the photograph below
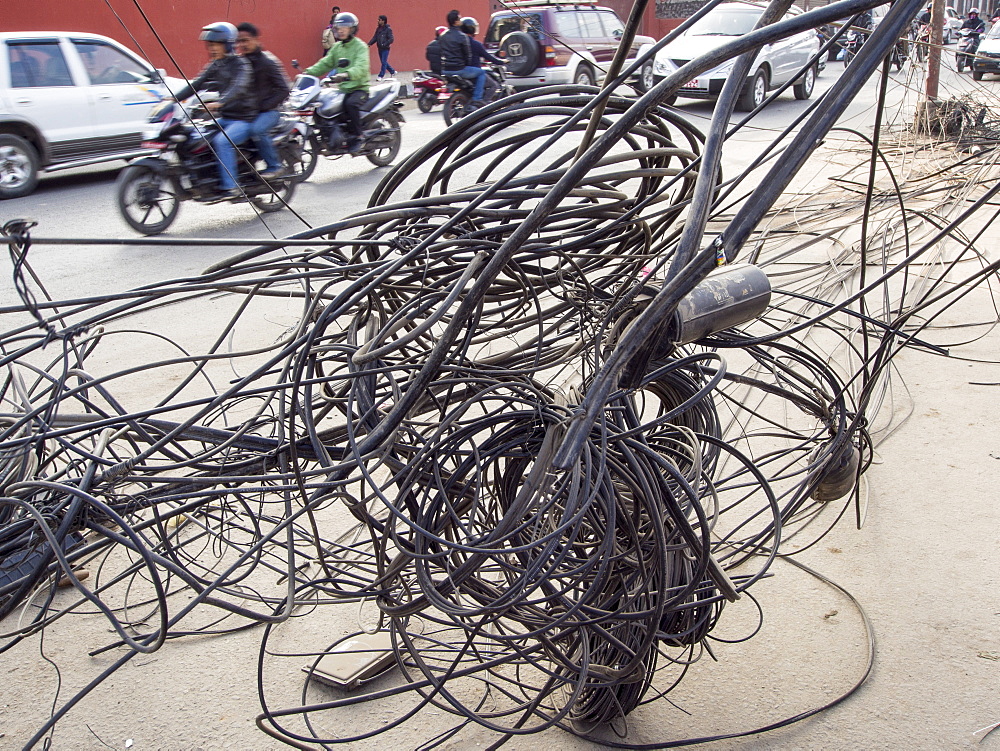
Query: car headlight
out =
(660, 67)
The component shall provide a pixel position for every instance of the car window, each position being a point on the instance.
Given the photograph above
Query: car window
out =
(590, 25)
(106, 64)
(36, 64)
(567, 26)
(613, 27)
(727, 22)
(504, 25)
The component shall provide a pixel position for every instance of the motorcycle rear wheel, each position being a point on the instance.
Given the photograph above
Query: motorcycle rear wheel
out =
(456, 107)
(384, 148)
(426, 101)
(276, 199)
(147, 199)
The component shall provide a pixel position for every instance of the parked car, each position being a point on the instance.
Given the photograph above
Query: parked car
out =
(68, 99)
(774, 66)
(987, 59)
(952, 25)
(549, 44)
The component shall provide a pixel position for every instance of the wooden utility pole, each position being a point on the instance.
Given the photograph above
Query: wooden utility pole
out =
(934, 53)
(927, 121)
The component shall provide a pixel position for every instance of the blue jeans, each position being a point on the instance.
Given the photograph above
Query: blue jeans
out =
(237, 131)
(383, 57)
(260, 131)
(474, 74)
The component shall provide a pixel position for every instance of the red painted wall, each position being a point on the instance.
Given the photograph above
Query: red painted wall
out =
(289, 28)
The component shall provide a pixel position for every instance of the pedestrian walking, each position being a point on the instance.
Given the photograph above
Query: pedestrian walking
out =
(383, 40)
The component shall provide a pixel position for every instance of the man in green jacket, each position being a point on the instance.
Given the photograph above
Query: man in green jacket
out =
(353, 79)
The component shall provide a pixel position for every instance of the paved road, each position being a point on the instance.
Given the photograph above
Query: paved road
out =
(81, 203)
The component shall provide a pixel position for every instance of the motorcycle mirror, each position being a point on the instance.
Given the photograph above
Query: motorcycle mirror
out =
(343, 63)
(295, 64)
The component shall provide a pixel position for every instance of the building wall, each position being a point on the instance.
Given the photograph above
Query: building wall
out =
(291, 29)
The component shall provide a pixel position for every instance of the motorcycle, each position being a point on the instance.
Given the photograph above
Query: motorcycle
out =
(150, 189)
(460, 92)
(851, 42)
(968, 43)
(429, 90)
(315, 104)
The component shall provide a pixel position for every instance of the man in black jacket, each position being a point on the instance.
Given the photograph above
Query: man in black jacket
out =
(236, 107)
(455, 54)
(271, 86)
(433, 51)
(383, 40)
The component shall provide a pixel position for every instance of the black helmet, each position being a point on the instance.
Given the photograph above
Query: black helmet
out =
(347, 19)
(221, 31)
(469, 25)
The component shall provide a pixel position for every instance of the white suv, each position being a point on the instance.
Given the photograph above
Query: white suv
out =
(68, 99)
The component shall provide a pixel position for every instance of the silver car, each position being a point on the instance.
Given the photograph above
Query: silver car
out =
(775, 65)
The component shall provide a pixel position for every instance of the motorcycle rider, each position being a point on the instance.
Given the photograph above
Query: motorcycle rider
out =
(974, 23)
(433, 51)
(353, 79)
(455, 55)
(271, 86)
(231, 76)
(477, 53)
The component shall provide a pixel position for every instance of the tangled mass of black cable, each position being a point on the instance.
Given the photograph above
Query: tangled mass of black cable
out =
(477, 426)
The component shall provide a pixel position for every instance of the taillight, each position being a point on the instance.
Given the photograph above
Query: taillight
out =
(550, 57)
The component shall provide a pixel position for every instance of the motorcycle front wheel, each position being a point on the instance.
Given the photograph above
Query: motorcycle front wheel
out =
(301, 157)
(960, 62)
(427, 101)
(383, 149)
(276, 199)
(456, 107)
(147, 199)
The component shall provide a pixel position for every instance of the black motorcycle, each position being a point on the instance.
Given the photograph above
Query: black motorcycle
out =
(149, 190)
(318, 105)
(968, 43)
(460, 91)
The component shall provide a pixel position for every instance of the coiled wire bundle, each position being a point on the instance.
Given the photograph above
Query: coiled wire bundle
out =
(403, 445)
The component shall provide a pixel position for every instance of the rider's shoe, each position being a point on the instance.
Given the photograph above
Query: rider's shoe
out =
(477, 103)
(353, 145)
(273, 174)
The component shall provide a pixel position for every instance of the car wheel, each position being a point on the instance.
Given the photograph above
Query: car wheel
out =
(147, 199)
(804, 89)
(584, 76)
(521, 51)
(646, 80)
(754, 94)
(977, 75)
(18, 166)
